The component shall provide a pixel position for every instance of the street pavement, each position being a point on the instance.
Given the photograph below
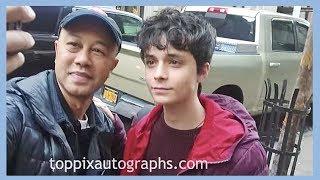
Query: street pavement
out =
(304, 166)
(305, 159)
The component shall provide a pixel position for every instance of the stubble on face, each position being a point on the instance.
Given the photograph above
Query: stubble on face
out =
(83, 80)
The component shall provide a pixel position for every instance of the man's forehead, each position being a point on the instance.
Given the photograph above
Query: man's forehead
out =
(67, 33)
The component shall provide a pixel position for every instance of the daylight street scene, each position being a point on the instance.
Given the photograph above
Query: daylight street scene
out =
(160, 90)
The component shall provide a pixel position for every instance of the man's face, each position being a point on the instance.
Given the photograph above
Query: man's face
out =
(85, 55)
(171, 75)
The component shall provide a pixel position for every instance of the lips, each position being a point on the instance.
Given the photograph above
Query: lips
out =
(80, 77)
(160, 90)
(82, 74)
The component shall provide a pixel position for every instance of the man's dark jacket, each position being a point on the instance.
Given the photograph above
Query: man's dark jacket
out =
(35, 123)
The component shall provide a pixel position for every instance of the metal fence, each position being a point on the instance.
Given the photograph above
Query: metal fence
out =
(282, 143)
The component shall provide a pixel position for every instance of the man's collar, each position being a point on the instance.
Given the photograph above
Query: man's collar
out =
(68, 115)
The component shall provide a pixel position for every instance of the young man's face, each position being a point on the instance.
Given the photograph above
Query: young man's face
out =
(85, 55)
(171, 75)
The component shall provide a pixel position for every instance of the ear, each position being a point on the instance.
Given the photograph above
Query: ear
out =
(204, 71)
(56, 46)
(115, 62)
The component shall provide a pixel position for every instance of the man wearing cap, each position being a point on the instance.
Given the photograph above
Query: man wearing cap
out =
(53, 127)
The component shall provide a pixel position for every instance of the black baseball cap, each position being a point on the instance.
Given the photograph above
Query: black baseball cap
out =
(110, 25)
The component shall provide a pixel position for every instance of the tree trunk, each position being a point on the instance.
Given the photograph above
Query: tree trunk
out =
(304, 84)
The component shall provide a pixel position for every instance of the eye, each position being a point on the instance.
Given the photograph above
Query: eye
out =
(150, 62)
(98, 51)
(174, 62)
(73, 44)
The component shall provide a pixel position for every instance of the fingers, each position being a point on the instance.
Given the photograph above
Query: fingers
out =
(18, 40)
(103, 107)
(20, 13)
(14, 61)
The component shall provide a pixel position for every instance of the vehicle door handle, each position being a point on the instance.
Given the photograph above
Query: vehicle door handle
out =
(142, 78)
(274, 64)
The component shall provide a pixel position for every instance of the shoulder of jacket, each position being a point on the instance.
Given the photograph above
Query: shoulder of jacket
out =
(250, 159)
(18, 115)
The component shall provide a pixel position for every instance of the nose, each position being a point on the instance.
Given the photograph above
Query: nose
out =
(83, 58)
(161, 72)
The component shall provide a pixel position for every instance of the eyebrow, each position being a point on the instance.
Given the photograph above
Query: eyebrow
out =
(149, 56)
(176, 55)
(173, 55)
(104, 44)
(97, 42)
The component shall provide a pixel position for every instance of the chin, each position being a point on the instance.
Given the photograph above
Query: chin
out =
(80, 91)
(163, 100)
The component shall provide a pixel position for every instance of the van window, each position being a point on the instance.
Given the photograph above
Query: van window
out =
(282, 35)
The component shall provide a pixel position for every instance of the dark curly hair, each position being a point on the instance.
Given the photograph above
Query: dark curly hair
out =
(184, 31)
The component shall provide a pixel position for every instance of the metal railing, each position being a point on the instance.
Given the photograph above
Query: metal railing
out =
(283, 146)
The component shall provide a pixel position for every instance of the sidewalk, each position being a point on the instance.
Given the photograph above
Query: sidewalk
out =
(305, 159)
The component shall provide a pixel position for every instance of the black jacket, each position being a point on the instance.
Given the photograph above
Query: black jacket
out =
(35, 119)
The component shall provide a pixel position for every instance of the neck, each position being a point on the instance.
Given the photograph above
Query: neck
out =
(78, 105)
(186, 115)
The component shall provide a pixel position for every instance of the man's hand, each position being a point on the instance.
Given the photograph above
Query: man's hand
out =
(18, 40)
(103, 107)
